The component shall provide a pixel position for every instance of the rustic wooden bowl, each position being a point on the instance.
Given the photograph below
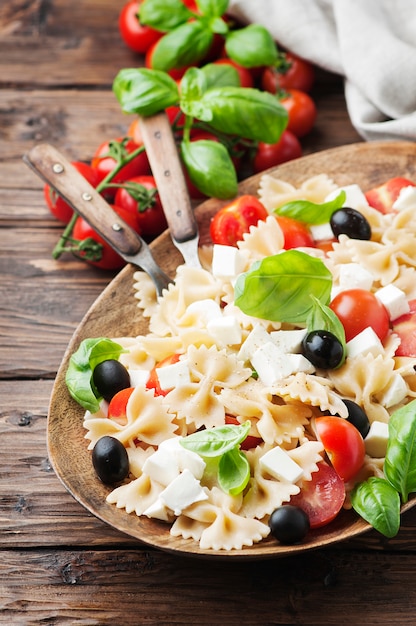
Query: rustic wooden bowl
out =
(115, 314)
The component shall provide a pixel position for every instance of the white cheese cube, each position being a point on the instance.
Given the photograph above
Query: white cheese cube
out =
(406, 199)
(353, 276)
(354, 196)
(204, 310)
(280, 465)
(226, 331)
(365, 342)
(377, 439)
(271, 364)
(321, 232)
(298, 363)
(157, 510)
(396, 392)
(182, 492)
(227, 261)
(394, 299)
(138, 378)
(174, 375)
(255, 340)
(161, 466)
(185, 459)
(289, 340)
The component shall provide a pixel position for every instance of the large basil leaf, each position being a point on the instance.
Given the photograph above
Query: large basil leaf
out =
(220, 75)
(213, 442)
(279, 287)
(163, 15)
(210, 168)
(379, 504)
(400, 461)
(310, 212)
(185, 45)
(251, 46)
(145, 91)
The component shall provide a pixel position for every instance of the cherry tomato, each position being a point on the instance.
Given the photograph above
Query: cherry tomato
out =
(405, 327)
(271, 154)
(141, 198)
(296, 234)
(233, 220)
(57, 206)
(297, 73)
(153, 380)
(117, 407)
(343, 444)
(103, 163)
(246, 78)
(135, 35)
(383, 197)
(250, 441)
(357, 309)
(322, 497)
(302, 111)
(109, 259)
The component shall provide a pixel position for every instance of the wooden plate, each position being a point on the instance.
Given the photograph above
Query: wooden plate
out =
(115, 314)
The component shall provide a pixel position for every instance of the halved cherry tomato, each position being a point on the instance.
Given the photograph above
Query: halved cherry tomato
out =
(153, 380)
(135, 35)
(246, 78)
(302, 111)
(57, 205)
(322, 497)
(103, 163)
(271, 154)
(384, 196)
(343, 444)
(117, 407)
(296, 234)
(357, 309)
(141, 198)
(233, 220)
(250, 441)
(405, 327)
(297, 73)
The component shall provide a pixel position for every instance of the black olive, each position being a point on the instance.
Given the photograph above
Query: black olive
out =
(323, 349)
(357, 417)
(289, 524)
(110, 460)
(350, 222)
(109, 377)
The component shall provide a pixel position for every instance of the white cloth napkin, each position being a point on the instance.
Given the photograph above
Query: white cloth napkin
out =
(372, 43)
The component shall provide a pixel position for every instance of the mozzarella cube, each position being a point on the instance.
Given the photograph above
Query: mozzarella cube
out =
(204, 310)
(353, 276)
(396, 392)
(157, 510)
(377, 440)
(182, 492)
(394, 299)
(321, 232)
(298, 363)
(271, 364)
(226, 331)
(289, 340)
(174, 375)
(138, 378)
(364, 343)
(257, 337)
(354, 196)
(161, 466)
(227, 261)
(406, 199)
(185, 459)
(280, 465)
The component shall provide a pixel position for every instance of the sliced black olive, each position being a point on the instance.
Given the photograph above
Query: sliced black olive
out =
(110, 460)
(323, 349)
(350, 222)
(289, 524)
(109, 377)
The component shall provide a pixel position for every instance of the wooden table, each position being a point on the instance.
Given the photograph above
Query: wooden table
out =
(59, 564)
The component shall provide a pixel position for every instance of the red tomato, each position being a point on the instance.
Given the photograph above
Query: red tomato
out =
(383, 197)
(299, 74)
(57, 206)
(271, 154)
(117, 407)
(405, 327)
(357, 309)
(103, 162)
(343, 444)
(141, 198)
(246, 78)
(250, 441)
(233, 220)
(302, 111)
(109, 259)
(153, 380)
(135, 35)
(296, 234)
(322, 497)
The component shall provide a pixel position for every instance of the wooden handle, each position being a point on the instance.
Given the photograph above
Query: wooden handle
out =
(57, 171)
(167, 170)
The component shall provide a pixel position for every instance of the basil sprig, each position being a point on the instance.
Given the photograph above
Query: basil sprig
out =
(311, 212)
(378, 500)
(78, 376)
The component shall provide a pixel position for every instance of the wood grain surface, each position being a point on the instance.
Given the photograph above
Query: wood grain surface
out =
(58, 563)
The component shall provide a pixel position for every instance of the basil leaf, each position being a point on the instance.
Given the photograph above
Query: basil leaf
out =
(233, 472)
(400, 461)
(321, 317)
(251, 46)
(219, 75)
(164, 15)
(210, 168)
(185, 45)
(278, 288)
(311, 213)
(145, 91)
(213, 8)
(213, 442)
(377, 501)
(78, 376)
(249, 113)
